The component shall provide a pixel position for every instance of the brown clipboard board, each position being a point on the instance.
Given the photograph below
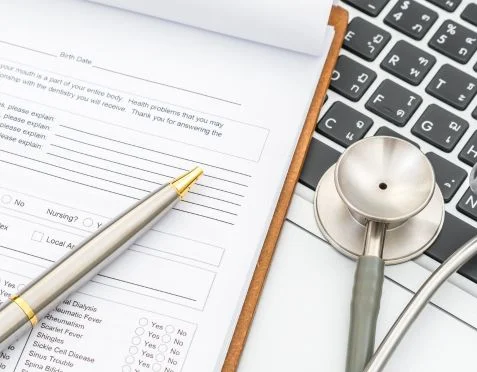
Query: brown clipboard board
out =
(339, 20)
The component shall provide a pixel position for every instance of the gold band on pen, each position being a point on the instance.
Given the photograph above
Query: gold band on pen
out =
(22, 304)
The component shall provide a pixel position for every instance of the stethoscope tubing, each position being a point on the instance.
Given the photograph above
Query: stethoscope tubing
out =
(418, 302)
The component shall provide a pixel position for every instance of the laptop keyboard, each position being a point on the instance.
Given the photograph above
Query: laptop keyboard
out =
(408, 62)
(365, 39)
(470, 14)
(408, 69)
(351, 79)
(411, 18)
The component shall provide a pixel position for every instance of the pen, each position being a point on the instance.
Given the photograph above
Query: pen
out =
(23, 311)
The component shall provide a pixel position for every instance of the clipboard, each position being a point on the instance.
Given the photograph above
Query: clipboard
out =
(339, 20)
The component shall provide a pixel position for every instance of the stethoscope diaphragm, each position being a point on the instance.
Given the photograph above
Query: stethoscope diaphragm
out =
(383, 179)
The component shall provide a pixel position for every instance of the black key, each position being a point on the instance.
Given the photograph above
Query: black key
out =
(407, 62)
(468, 204)
(455, 232)
(351, 79)
(449, 5)
(344, 125)
(474, 113)
(319, 158)
(411, 18)
(454, 41)
(453, 87)
(449, 176)
(469, 153)
(385, 131)
(365, 39)
(440, 128)
(370, 7)
(470, 13)
(393, 102)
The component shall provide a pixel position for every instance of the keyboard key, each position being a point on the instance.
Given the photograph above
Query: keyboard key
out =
(318, 159)
(370, 7)
(453, 87)
(351, 79)
(470, 14)
(449, 176)
(344, 125)
(411, 18)
(365, 39)
(468, 204)
(449, 5)
(385, 131)
(474, 113)
(407, 62)
(469, 153)
(455, 232)
(440, 128)
(454, 41)
(393, 102)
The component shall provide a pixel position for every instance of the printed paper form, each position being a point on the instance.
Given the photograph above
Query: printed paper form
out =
(97, 109)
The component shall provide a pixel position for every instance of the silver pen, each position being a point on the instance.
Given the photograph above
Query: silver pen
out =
(19, 314)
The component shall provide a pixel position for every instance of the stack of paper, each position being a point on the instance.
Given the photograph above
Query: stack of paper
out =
(98, 106)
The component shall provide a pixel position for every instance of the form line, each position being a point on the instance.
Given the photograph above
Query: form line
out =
(71, 170)
(216, 188)
(205, 206)
(167, 85)
(110, 161)
(106, 180)
(105, 169)
(28, 254)
(23, 350)
(27, 48)
(144, 170)
(145, 159)
(120, 152)
(101, 275)
(108, 191)
(146, 287)
(213, 197)
(156, 151)
(201, 215)
(67, 179)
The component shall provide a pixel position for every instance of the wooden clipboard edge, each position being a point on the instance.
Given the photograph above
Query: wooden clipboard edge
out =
(339, 20)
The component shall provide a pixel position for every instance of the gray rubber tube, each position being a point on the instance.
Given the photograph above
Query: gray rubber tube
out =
(418, 302)
(367, 290)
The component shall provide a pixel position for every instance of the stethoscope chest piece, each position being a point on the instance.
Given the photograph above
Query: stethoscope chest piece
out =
(384, 180)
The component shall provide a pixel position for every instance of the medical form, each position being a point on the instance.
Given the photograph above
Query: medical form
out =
(98, 106)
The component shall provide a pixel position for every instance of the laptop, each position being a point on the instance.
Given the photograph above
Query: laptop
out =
(407, 69)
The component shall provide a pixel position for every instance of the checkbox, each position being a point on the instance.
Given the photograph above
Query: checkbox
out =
(37, 236)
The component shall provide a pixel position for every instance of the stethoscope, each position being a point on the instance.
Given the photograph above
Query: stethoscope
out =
(379, 204)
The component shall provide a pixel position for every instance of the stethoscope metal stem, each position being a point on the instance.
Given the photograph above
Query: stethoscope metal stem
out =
(374, 239)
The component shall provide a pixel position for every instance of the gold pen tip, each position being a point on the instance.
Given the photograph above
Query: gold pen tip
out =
(183, 183)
